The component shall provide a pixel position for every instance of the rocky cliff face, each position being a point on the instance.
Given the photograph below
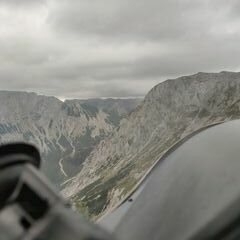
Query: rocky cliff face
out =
(169, 112)
(65, 132)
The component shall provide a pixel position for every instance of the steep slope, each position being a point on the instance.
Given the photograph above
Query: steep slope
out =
(115, 108)
(170, 111)
(66, 132)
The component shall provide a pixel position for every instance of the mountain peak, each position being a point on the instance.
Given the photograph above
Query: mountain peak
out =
(170, 111)
(65, 132)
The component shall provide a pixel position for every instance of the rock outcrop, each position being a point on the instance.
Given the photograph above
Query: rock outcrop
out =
(65, 132)
(170, 111)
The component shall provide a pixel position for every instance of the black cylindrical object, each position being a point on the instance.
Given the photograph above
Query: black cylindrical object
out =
(30, 208)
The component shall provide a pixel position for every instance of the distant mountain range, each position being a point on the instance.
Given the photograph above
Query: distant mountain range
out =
(65, 132)
(170, 111)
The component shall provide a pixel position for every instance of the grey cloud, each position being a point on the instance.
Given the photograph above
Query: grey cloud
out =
(135, 20)
(18, 3)
(114, 48)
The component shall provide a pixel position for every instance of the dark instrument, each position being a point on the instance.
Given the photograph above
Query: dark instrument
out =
(29, 207)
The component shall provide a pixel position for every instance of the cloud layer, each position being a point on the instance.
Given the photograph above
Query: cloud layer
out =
(117, 48)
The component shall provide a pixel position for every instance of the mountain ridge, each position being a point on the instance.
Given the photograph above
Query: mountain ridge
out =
(65, 132)
(170, 111)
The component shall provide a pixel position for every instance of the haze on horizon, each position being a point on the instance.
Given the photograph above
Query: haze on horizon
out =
(113, 48)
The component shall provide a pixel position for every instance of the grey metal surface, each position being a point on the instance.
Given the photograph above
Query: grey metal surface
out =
(193, 193)
(112, 220)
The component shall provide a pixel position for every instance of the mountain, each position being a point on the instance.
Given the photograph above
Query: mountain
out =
(65, 132)
(170, 111)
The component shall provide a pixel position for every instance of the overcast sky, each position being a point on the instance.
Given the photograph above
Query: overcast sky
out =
(113, 48)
